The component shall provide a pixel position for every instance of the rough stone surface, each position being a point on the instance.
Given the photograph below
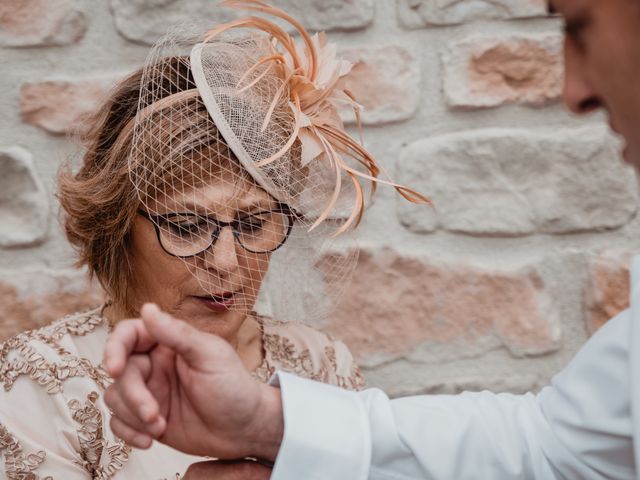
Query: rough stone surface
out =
(607, 288)
(491, 71)
(60, 106)
(34, 23)
(24, 205)
(33, 298)
(397, 302)
(386, 82)
(516, 182)
(425, 13)
(144, 21)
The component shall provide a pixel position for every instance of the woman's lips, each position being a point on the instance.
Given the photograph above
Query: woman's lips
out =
(217, 303)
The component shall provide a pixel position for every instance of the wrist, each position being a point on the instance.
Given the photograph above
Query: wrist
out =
(269, 429)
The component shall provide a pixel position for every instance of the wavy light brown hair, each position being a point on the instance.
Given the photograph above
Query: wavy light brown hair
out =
(100, 203)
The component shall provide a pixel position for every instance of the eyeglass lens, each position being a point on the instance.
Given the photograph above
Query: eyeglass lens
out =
(189, 234)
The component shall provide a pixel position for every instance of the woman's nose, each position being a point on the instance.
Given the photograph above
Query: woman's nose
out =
(578, 93)
(222, 256)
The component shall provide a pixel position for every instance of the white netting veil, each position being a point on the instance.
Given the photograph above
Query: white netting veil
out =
(243, 166)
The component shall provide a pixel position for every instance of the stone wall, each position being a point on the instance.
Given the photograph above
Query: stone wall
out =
(523, 257)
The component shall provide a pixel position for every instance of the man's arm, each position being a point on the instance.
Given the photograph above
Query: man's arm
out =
(577, 428)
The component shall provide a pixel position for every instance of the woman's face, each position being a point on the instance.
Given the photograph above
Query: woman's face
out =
(216, 289)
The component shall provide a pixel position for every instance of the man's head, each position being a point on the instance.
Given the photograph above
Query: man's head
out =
(602, 54)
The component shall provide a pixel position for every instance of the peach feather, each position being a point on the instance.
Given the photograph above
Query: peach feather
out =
(313, 78)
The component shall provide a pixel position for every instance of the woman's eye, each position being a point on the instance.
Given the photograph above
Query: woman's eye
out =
(251, 225)
(182, 229)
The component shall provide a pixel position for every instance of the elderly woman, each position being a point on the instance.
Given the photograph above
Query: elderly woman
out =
(209, 181)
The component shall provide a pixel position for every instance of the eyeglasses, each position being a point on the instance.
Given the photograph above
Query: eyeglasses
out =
(189, 234)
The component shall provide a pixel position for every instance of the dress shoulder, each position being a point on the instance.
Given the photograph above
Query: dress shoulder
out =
(301, 349)
(51, 409)
(50, 355)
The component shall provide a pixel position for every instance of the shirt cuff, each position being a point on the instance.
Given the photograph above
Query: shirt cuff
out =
(326, 432)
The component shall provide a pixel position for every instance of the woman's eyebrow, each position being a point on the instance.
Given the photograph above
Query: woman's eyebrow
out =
(260, 205)
(187, 207)
(243, 206)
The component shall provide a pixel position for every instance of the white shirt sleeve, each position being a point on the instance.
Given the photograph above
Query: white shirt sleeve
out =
(578, 428)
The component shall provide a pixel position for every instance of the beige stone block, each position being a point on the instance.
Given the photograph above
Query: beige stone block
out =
(488, 72)
(425, 13)
(397, 302)
(607, 288)
(145, 21)
(61, 106)
(36, 23)
(24, 204)
(509, 182)
(386, 82)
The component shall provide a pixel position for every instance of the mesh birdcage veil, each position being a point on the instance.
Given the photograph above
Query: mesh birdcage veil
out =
(241, 162)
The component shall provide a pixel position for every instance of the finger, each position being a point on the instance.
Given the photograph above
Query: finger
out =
(129, 435)
(132, 389)
(193, 345)
(127, 337)
(121, 410)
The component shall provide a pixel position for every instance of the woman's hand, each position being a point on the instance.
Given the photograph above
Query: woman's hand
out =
(241, 470)
(189, 390)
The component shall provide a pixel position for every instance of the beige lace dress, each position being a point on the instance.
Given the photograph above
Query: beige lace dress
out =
(53, 420)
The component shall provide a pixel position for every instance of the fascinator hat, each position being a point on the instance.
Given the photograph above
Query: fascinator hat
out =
(244, 105)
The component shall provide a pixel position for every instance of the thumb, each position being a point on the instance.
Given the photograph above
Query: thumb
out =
(193, 345)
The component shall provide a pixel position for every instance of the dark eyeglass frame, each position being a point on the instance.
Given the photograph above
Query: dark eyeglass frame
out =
(235, 224)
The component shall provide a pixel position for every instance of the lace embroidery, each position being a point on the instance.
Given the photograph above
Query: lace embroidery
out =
(284, 352)
(19, 356)
(17, 466)
(264, 372)
(355, 381)
(92, 441)
(28, 361)
(281, 353)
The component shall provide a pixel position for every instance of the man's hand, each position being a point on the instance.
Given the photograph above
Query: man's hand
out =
(242, 470)
(189, 390)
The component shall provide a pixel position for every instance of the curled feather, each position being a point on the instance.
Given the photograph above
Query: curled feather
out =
(312, 75)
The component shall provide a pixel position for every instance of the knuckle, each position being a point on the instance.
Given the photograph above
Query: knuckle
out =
(137, 397)
(124, 326)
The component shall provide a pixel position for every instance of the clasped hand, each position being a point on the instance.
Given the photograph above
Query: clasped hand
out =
(189, 390)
